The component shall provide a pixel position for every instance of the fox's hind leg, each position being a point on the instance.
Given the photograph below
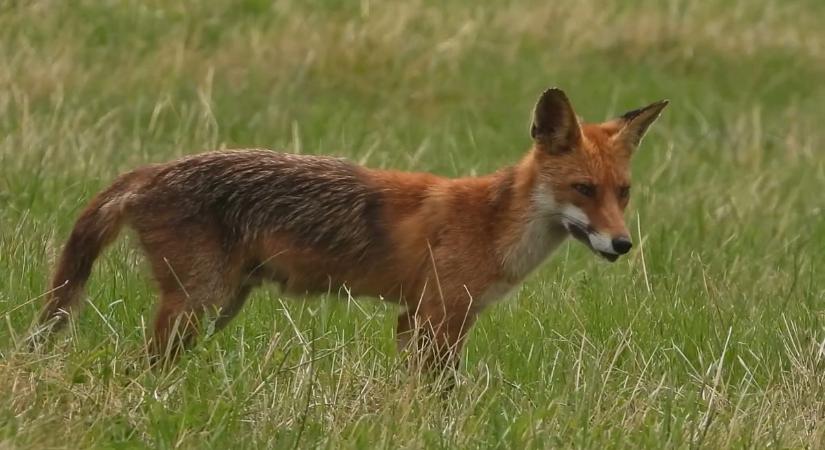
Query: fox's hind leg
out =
(232, 306)
(179, 318)
(175, 327)
(195, 275)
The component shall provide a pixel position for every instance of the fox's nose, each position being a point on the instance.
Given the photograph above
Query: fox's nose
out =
(621, 245)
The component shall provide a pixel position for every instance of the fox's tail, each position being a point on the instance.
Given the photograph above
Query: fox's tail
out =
(96, 228)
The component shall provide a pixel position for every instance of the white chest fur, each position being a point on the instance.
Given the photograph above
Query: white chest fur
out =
(540, 235)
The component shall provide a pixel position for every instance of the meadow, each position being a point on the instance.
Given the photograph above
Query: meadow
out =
(709, 334)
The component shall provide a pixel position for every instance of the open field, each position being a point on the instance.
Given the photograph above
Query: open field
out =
(710, 334)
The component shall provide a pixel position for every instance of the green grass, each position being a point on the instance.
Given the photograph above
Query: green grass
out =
(711, 334)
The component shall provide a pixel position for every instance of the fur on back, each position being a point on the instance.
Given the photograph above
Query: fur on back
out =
(323, 202)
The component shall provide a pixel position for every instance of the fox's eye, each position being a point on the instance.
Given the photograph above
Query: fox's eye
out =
(624, 192)
(585, 189)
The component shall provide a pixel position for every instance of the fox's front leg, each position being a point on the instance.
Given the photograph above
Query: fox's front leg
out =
(434, 334)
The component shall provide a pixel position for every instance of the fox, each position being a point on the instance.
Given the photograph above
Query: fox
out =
(216, 225)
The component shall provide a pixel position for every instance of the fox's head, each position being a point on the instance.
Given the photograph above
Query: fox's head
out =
(584, 170)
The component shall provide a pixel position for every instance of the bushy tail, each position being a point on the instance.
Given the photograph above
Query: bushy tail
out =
(96, 228)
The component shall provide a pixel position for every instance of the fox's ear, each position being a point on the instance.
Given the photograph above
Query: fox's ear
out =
(555, 128)
(633, 125)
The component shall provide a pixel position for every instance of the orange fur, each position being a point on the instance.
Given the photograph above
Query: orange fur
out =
(216, 225)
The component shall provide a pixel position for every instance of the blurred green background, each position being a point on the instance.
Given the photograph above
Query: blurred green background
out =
(709, 335)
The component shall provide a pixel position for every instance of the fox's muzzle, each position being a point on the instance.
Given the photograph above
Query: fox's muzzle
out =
(608, 248)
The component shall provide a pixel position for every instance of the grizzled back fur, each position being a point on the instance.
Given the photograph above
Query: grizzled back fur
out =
(323, 202)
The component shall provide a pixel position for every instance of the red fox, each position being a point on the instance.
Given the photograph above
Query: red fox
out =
(216, 225)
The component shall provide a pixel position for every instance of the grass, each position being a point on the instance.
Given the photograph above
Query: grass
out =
(709, 335)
